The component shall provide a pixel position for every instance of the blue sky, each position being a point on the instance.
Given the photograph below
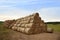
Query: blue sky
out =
(49, 10)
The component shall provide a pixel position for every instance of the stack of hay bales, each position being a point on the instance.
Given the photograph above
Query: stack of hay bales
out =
(7, 23)
(31, 24)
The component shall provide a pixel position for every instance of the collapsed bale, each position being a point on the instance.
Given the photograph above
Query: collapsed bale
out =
(49, 30)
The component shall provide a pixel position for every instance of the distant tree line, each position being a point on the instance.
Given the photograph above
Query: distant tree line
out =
(52, 22)
(1, 21)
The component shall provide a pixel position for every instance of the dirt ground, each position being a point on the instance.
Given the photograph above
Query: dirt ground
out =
(13, 35)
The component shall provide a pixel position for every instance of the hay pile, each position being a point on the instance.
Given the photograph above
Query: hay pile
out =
(31, 24)
(7, 23)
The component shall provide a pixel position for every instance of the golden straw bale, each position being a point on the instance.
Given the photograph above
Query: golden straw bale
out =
(18, 29)
(14, 28)
(21, 22)
(18, 25)
(45, 28)
(37, 30)
(28, 18)
(26, 22)
(29, 25)
(32, 17)
(15, 24)
(7, 23)
(18, 22)
(31, 21)
(22, 29)
(29, 30)
(22, 25)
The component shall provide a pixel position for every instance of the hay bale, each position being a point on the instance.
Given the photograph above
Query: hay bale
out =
(28, 25)
(15, 24)
(37, 30)
(45, 28)
(37, 25)
(14, 28)
(18, 22)
(27, 21)
(29, 30)
(28, 18)
(7, 23)
(49, 30)
(24, 19)
(32, 18)
(35, 20)
(18, 25)
(31, 21)
(12, 24)
(18, 29)
(22, 29)
(22, 25)
(41, 24)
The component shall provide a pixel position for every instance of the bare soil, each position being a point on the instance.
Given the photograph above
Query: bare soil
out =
(13, 35)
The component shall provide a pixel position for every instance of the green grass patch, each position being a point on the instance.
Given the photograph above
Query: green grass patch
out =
(56, 27)
(4, 32)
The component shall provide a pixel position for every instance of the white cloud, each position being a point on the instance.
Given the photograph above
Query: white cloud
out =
(13, 13)
(47, 14)
(50, 14)
(8, 10)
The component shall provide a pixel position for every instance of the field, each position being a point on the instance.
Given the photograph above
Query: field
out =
(8, 34)
(3, 32)
(56, 27)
